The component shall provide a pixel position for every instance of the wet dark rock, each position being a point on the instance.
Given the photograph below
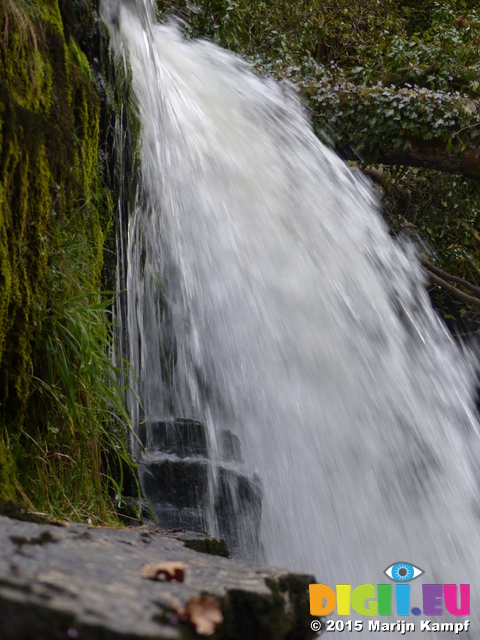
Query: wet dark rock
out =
(229, 445)
(169, 517)
(181, 437)
(175, 482)
(176, 476)
(238, 507)
(178, 492)
(86, 583)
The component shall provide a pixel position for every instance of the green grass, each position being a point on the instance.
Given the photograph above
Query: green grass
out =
(64, 430)
(71, 462)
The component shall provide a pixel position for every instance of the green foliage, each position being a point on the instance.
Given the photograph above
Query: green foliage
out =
(378, 75)
(444, 210)
(379, 117)
(61, 409)
(445, 56)
(323, 29)
(75, 398)
(20, 20)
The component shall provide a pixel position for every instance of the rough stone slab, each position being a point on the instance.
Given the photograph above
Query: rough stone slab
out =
(77, 582)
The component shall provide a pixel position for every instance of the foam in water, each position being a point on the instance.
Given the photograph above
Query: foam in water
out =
(299, 324)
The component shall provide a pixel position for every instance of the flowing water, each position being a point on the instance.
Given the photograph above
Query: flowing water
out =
(299, 324)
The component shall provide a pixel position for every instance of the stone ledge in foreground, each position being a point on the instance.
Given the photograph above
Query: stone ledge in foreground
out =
(79, 582)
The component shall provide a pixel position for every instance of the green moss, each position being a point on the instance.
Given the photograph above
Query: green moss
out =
(7, 475)
(57, 387)
(50, 12)
(48, 144)
(212, 546)
(80, 59)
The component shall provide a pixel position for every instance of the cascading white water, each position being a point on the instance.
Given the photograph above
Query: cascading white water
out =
(299, 324)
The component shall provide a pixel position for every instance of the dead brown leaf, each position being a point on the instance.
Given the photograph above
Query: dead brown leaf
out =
(203, 613)
(165, 570)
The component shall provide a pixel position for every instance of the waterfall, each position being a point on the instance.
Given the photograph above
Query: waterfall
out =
(265, 297)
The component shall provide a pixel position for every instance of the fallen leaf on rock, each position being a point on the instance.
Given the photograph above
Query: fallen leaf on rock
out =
(166, 570)
(203, 613)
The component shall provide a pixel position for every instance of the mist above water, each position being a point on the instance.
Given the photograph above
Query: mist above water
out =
(299, 324)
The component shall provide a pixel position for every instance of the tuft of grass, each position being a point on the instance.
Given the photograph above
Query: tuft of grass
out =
(72, 462)
(64, 431)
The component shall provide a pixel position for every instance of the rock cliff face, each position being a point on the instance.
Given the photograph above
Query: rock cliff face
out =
(77, 582)
(49, 171)
(62, 102)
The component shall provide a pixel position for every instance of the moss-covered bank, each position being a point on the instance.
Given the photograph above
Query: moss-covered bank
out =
(58, 391)
(49, 136)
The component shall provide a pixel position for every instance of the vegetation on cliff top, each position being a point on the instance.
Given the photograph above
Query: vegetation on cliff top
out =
(395, 82)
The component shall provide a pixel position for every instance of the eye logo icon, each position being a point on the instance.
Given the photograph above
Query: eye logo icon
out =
(403, 572)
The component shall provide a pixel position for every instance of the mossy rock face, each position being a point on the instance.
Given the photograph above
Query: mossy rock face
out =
(49, 126)
(7, 475)
(211, 546)
(16, 511)
(61, 97)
